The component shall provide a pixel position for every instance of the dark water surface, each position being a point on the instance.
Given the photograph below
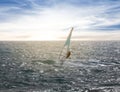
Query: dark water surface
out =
(34, 67)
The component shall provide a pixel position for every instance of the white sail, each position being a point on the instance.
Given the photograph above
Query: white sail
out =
(67, 45)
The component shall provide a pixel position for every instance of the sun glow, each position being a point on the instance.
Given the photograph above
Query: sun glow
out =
(45, 35)
(42, 37)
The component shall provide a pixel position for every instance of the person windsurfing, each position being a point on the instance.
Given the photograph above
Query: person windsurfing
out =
(67, 46)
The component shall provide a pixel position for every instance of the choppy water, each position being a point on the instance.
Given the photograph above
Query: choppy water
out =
(34, 67)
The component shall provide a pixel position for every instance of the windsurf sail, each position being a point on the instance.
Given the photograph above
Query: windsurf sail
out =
(67, 43)
(67, 46)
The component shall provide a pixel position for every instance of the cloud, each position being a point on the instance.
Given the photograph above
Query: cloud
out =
(39, 19)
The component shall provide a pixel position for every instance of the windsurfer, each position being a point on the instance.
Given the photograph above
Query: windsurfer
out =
(67, 47)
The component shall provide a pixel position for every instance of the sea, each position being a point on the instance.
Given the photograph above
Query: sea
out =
(34, 66)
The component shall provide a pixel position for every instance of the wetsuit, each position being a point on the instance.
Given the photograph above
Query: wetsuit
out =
(68, 54)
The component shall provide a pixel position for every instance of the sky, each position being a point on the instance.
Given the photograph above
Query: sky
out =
(53, 19)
